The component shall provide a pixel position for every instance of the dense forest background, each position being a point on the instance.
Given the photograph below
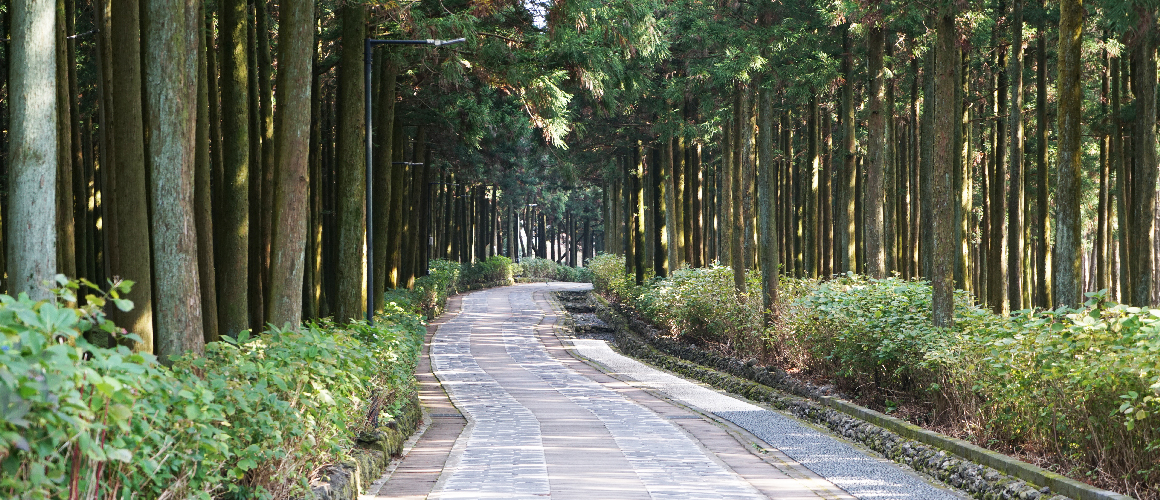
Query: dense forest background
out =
(212, 152)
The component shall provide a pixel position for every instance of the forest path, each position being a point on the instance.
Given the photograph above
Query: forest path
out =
(512, 414)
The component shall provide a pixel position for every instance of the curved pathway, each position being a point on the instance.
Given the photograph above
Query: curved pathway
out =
(526, 419)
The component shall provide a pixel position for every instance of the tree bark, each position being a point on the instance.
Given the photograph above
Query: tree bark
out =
(288, 236)
(398, 195)
(810, 211)
(384, 126)
(1041, 127)
(767, 196)
(1146, 168)
(1067, 273)
(234, 231)
(638, 226)
(265, 160)
(998, 262)
(876, 158)
(1118, 169)
(734, 225)
(202, 192)
(65, 229)
(1015, 136)
(926, 166)
(31, 241)
(352, 180)
(943, 199)
(846, 223)
(171, 41)
(129, 198)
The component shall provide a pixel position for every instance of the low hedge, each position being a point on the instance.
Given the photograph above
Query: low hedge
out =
(252, 418)
(1079, 387)
(445, 278)
(534, 269)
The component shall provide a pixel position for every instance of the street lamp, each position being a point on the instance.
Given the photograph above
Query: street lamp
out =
(368, 48)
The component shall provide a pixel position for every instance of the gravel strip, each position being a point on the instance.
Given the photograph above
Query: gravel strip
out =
(847, 467)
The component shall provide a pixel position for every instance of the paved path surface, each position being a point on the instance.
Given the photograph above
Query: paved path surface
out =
(523, 418)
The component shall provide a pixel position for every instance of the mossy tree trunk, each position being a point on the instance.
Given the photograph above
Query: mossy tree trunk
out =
(875, 157)
(943, 198)
(171, 61)
(233, 228)
(290, 204)
(1067, 273)
(348, 303)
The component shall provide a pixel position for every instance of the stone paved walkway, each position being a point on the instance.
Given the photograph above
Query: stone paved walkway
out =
(522, 418)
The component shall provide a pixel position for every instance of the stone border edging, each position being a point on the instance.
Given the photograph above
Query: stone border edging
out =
(345, 480)
(1000, 462)
(979, 471)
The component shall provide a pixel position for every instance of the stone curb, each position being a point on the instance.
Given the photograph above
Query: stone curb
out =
(982, 473)
(372, 455)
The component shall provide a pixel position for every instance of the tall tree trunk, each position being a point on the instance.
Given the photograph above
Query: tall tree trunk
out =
(844, 196)
(171, 42)
(290, 204)
(383, 189)
(65, 228)
(31, 241)
(889, 171)
(725, 227)
(825, 195)
(398, 195)
(1146, 168)
(637, 221)
(926, 165)
(746, 176)
(1103, 210)
(657, 174)
(1041, 126)
(1015, 191)
(736, 219)
(351, 170)
(265, 161)
(234, 229)
(129, 197)
(202, 192)
(876, 158)
(943, 199)
(257, 212)
(672, 201)
(963, 178)
(767, 196)
(997, 261)
(810, 210)
(312, 273)
(1118, 169)
(1066, 264)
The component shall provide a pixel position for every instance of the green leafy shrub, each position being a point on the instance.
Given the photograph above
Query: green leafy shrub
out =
(701, 305)
(1082, 385)
(76, 417)
(496, 269)
(532, 268)
(249, 419)
(431, 291)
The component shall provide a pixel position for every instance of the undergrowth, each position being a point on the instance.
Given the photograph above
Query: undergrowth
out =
(252, 418)
(1073, 390)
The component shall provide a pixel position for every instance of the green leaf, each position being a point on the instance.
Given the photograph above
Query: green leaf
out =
(125, 305)
(119, 454)
(120, 412)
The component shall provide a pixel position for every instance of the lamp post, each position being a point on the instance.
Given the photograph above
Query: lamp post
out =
(368, 49)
